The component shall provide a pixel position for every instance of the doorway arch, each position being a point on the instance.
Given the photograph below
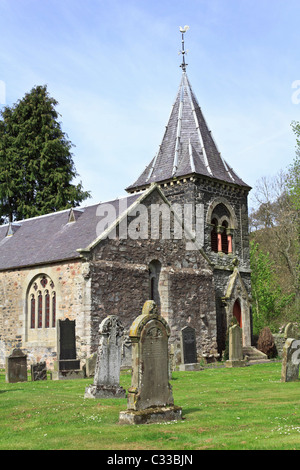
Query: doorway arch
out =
(237, 312)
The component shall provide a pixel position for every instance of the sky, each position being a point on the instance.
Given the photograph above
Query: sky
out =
(113, 67)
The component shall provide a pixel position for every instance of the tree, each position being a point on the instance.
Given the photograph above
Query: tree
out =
(276, 223)
(267, 296)
(36, 165)
(293, 190)
(293, 178)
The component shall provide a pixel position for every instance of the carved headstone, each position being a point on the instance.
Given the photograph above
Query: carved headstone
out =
(235, 347)
(107, 371)
(38, 371)
(150, 397)
(16, 367)
(290, 360)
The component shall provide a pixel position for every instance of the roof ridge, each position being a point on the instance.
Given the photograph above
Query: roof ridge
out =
(76, 208)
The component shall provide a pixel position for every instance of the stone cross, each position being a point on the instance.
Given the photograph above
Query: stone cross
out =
(107, 371)
(150, 397)
(235, 347)
(290, 360)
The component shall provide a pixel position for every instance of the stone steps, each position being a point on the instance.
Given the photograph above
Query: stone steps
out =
(254, 355)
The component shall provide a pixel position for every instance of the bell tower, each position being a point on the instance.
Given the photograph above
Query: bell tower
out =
(190, 169)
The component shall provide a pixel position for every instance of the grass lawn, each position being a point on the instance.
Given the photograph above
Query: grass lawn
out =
(237, 409)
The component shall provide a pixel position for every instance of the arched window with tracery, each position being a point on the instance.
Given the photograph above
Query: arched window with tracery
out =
(41, 303)
(222, 228)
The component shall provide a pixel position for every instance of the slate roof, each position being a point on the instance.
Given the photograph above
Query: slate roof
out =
(187, 146)
(50, 238)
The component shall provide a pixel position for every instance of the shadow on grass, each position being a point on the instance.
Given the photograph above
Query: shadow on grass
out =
(14, 390)
(187, 411)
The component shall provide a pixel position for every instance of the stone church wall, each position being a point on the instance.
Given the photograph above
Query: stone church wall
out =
(207, 193)
(121, 285)
(72, 300)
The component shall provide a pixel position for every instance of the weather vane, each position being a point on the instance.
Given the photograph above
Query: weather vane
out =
(183, 51)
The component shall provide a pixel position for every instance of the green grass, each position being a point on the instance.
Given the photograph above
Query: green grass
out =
(245, 408)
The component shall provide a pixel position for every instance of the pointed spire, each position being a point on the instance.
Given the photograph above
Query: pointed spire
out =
(188, 147)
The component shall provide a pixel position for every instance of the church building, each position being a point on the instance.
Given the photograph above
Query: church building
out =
(179, 237)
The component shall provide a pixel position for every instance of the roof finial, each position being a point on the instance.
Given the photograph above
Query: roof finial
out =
(183, 51)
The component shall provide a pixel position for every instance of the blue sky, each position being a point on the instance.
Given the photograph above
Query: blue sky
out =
(113, 66)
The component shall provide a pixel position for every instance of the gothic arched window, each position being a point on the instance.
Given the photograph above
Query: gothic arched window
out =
(221, 229)
(42, 303)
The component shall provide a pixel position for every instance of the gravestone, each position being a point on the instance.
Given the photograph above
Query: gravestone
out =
(67, 366)
(107, 371)
(290, 360)
(16, 367)
(291, 331)
(235, 347)
(126, 353)
(39, 371)
(150, 397)
(188, 349)
(171, 361)
(90, 365)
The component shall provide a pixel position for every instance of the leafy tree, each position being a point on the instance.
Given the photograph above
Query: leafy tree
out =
(293, 190)
(36, 165)
(275, 226)
(293, 178)
(268, 299)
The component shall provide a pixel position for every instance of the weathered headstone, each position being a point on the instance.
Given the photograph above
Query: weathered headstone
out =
(107, 371)
(188, 349)
(67, 366)
(171, 360)
(235, 347)
(90, 365)
(38, 371)
(16, 367)
(291, 331)
(290, 360)
(150, 397)
(126, 357)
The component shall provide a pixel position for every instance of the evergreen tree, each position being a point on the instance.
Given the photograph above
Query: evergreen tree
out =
(36, 165)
